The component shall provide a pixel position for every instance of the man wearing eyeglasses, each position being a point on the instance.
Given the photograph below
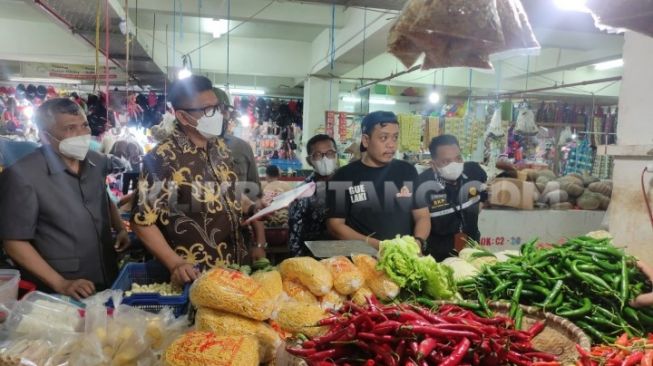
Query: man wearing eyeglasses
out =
(307, 216)
(187, 213)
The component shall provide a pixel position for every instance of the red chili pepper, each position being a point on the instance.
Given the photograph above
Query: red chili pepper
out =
(410, 362)
(376, 338)
(458, 353)
(436, 358)
(536, 329)
(336, 335)
(325, 363)
(326, 354)
(517, 359)
(309, 344)
(633, 359)
(386, 327)
(647, 360)
(401, 349)
(385, 352)
(370, 362)
(429, 330)
(329, 321)
(428, 315)
(426, 347)
(301, 352)
(583, 352)
(540, 355)
(413, 348)
(464, 327)
(547, 363)
(622, 340)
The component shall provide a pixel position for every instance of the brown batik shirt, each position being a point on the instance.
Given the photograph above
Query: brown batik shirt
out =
(189, 193)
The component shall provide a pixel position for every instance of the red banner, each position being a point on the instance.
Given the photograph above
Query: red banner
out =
(330, 123)
(342, 126)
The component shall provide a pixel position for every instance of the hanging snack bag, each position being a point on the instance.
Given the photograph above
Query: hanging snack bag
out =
(234, 292)
(226, 324)
(346, 277)
(477, 20)
(298, 292)
(495, 129)
(377, 281)
(517, 31)
(309, 272)
(205, 348)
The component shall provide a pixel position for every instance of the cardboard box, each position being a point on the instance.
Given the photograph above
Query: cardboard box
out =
(511, 192)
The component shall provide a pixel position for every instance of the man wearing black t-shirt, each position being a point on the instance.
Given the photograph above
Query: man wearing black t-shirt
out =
(453, 191)
(373, 199)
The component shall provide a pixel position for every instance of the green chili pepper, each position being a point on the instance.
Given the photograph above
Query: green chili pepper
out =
(501, 288)
(645, 318)
(616, 281)
(589, 267)
(604, 312)
(552, 271)
(515, 298)
(606, 265)
(538, 289)
(631, 314)
(493, 276)
(588, 277)
(603, 322)
(625, 282)
(482, 301)
(519, 316)
(554, 293)
(594, 333)
(582, 311)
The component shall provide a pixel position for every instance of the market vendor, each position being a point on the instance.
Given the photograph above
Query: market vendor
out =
(452, 189)
(187, 213)
(372, 199)
(307, 216)
(57, 217)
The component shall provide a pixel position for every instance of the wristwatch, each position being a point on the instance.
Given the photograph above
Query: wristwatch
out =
(261, 245)
(422, 243)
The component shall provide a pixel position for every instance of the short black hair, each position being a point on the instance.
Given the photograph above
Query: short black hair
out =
(185, 90)
(318, 138)
(442, 140)
(272, 171)
(44, 115)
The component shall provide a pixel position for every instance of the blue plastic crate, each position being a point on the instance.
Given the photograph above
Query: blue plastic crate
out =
(145, 274)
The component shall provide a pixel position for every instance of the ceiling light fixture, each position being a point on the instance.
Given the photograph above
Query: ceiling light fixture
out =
(219, 27)
(572, 5)
(382, 101)
(434, 97)
(245, 120)
(184, 73)
(613, 64)
(350, 99)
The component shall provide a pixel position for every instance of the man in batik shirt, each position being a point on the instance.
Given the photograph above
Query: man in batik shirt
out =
(187, 212)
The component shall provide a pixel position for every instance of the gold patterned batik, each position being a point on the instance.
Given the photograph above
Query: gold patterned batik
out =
(188, 192)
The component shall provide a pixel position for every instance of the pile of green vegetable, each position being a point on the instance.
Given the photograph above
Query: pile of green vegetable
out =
(400, 259)
(586, 280)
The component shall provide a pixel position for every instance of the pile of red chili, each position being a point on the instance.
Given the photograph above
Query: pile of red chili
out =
(625, 351)
(412, 335)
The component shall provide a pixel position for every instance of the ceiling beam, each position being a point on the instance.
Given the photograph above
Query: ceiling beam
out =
(270, 11)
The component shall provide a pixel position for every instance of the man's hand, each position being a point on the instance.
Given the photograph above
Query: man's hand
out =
(122, 241)
(77, 289)
(258, 253)
(184, 273)
(644, 300)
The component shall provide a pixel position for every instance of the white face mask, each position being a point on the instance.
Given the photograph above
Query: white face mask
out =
(210, 127)
(74, 147)
(325, 166)
(451, 172)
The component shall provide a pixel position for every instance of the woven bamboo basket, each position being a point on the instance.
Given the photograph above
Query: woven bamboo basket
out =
(559, 337)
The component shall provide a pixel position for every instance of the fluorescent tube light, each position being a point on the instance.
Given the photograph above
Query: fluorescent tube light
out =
(613, 64)
(20, 79)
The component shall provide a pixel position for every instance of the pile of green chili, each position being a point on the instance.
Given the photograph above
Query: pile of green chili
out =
(588, 281)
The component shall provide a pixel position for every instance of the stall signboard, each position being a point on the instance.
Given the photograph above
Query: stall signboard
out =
(67, 71)
(509, 229)
(342, 126)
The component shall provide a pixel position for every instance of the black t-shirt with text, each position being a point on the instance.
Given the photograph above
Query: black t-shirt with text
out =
(374, 201)
(452, 207)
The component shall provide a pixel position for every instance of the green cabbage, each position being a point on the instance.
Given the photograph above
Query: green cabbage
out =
(400, 260)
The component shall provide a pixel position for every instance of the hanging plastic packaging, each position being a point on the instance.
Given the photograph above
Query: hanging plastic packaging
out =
(495, 129)
(614, 16)
(525, 125)
(460, 33)
(565, 136)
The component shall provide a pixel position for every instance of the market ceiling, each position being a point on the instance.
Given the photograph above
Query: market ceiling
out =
(275, 44)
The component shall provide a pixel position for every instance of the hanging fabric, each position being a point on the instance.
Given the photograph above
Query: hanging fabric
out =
(525, 125)
(495, 129)
(565, 136)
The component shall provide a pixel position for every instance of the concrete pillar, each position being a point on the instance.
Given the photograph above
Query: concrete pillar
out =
(319, 96)
(628, 218)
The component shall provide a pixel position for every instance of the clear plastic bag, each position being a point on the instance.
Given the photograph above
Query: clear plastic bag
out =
(517, 32)
(525, 125)
(494, 128)
(476, 20)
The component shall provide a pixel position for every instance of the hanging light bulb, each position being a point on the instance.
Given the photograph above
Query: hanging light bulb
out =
(434, 97)
(184, 73)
